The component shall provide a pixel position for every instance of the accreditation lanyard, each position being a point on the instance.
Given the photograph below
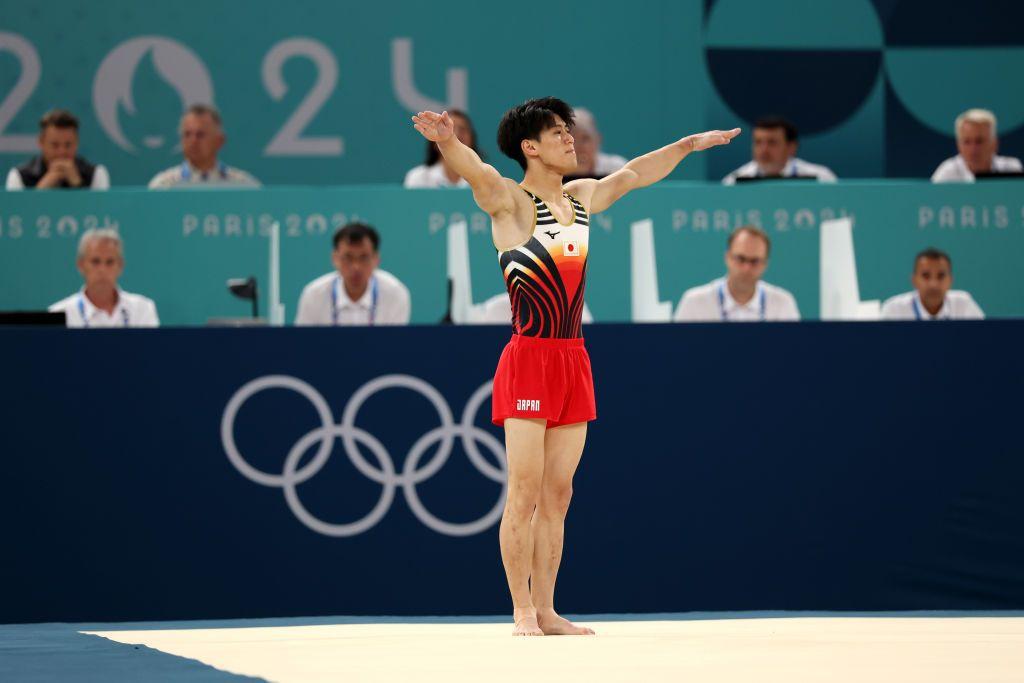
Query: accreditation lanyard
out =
(762, 304)
(186, 171)
(918, 313)
(85, 319)
(336, 294)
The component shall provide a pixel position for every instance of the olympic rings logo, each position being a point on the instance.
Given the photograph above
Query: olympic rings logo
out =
(384, 472)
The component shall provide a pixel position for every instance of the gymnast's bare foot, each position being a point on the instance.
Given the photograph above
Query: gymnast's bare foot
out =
(553, 625)
(526, 622)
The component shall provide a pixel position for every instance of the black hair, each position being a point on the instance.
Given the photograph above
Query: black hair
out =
(527, 121)
(756, 232)
(931, 253)
(58, 118)
(434, 154)
(778, 122)
(356, 232)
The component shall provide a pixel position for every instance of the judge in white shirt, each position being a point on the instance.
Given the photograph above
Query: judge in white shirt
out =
(740, 296)
(774, 150)
(932, 298)
(434, 171)
(100, 302)
(976, 144)
(202, 137)
(357, 292)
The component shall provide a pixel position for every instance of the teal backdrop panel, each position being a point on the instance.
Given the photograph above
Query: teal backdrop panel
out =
(319, 93)
(183, 246)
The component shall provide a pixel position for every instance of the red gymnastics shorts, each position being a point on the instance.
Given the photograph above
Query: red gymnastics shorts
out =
(549, 379)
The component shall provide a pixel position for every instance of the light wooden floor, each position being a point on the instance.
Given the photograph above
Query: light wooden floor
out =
(794, 649)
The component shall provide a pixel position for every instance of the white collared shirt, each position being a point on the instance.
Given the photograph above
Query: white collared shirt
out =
(184, 174)
(424, 176)
(324, 301)
(794, 168)
(131, 310)
(958, 305)
(713, 303)
(606, 164)
(955, 169)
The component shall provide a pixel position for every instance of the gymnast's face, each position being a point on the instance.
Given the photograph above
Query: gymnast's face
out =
(771, 150)
(555, 149)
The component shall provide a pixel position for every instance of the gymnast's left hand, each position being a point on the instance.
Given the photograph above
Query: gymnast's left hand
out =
(712, 138)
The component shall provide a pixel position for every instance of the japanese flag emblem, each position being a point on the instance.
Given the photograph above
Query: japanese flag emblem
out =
(570, 248)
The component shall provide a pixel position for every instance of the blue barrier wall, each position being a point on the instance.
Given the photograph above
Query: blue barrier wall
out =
(732, 467)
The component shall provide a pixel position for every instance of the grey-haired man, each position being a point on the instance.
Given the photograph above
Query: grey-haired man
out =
(101, 302)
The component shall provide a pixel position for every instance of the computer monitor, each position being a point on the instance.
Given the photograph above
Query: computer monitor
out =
(998, 175)
(757, 179)
(33, 318)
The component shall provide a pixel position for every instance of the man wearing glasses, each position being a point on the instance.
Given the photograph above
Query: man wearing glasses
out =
(357, 292)
(740, 296)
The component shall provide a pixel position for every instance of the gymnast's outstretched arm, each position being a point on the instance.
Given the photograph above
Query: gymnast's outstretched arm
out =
(598, 195)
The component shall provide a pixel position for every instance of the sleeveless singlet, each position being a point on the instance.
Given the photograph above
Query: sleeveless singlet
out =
(546, 275)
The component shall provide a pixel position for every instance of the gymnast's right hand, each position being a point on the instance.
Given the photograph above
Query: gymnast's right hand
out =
(434, 127)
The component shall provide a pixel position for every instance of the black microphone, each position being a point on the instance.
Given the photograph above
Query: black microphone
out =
(447, 319)
(245, 289)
